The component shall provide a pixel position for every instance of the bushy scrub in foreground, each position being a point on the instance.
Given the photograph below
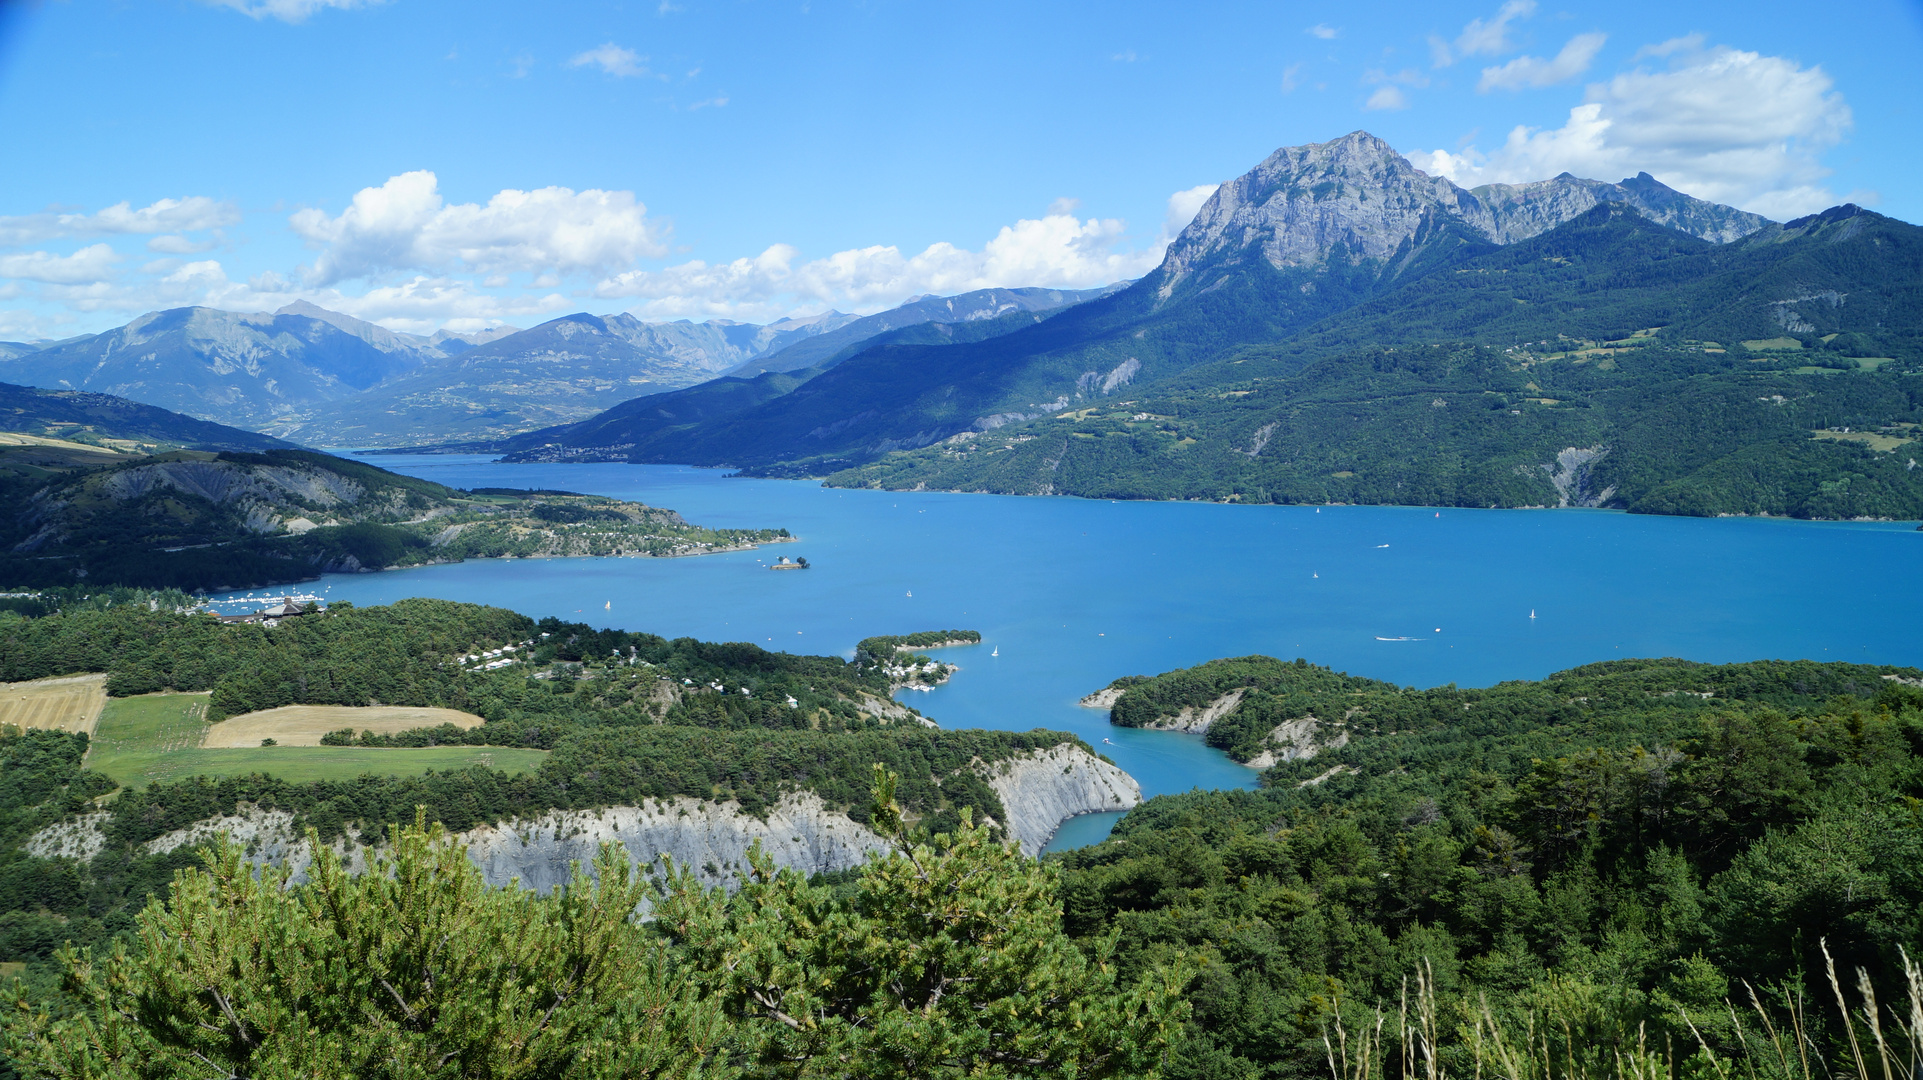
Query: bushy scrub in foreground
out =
(944, 958)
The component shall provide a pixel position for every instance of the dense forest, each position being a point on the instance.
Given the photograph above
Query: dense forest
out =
(1612, 859)
(1640, 424)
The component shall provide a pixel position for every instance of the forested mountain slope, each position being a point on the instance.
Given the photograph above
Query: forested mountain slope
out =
(213, 520)
(1575, 368)
(117, 424)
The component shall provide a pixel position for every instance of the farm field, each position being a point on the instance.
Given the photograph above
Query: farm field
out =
(303, 725)
(157, 737)
(71, 703)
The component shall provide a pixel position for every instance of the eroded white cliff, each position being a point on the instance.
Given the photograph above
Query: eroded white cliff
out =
(1196, 722)
(1042, 789)
(1298, 740)
(1039, 791)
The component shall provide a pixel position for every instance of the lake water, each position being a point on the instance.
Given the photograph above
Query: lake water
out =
(1075, 592)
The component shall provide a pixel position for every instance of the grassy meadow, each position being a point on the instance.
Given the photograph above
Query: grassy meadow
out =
(157, 737)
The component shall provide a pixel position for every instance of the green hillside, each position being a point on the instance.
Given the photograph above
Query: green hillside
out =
(1602, 866)
(116, 423)
(1588, 378)
(213, 520)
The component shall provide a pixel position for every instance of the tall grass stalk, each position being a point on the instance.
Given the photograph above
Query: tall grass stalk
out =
(1596, 1044)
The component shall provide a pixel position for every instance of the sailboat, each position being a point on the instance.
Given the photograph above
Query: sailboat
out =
(609, 606)
(911, 594)
(997, 652)
(1532, 613)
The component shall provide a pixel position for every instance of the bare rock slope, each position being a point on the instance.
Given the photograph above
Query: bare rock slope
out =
(1039, 790)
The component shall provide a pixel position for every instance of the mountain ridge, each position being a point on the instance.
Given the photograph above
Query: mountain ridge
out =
(1310, 232)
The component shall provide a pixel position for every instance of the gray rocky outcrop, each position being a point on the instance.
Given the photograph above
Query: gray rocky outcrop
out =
(1039, 790)
(77, 838)
(1196, 721)
(1105, 698)
(1297, 740)
(1358, 195)
(1570, 477)
(1042, 789)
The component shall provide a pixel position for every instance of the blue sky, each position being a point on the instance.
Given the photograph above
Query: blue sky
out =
(424, 164)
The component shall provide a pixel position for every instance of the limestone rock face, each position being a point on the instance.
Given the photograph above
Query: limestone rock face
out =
(1511, 212)
(711, 839)
(1359, 196)
(1039, 791)
(1296, 740)
(1304, 200)
(1045, 788)
(1193, 722)
(79, 838)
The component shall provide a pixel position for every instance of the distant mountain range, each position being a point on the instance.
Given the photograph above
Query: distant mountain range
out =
(323, 378)
(1324, 265)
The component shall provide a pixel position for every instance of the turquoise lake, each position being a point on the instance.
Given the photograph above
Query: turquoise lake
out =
(1075, 592)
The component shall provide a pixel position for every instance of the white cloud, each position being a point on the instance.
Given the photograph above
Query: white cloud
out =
(612, 59)
(452, 265)
(1387, 98)
(176, 244)
(1323, 31)
(1480, 38)
(1688, 43)
(1126, 56)
(167, 215)
(1057, 250)
(291, 11)
(404, 225)
(1291, 78)
(1726, 125)
(1573, 60)
(89, 264)
(1182, 208)
(711, 103)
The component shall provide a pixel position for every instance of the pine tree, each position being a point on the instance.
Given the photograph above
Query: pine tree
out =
(948, 960)
(414, 968)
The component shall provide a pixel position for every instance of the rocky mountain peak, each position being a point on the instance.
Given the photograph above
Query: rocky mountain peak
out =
(1358, 195)
(1303, 201)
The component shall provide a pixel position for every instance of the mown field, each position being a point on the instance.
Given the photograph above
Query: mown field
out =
(157, 737)
(303, 725)
(72, 703)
